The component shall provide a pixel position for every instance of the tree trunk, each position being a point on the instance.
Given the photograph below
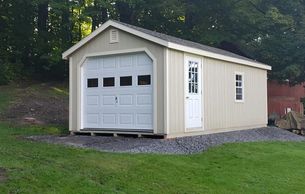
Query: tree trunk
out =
(66, 26)
(124, 11)
(42, 17)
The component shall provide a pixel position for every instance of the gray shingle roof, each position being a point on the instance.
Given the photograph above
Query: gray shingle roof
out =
(187, 43)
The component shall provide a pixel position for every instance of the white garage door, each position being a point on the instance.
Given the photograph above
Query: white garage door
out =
(118, 92)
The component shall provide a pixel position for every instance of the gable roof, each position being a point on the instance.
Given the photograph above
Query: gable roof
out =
(170, 42)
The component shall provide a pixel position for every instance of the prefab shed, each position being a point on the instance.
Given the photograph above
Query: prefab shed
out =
(126, 79)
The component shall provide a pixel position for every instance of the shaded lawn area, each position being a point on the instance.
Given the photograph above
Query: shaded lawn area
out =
(33, 167)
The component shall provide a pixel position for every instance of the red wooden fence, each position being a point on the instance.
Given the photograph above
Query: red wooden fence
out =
(283, 97)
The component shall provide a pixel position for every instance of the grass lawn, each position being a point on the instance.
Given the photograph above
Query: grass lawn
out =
(271, 167)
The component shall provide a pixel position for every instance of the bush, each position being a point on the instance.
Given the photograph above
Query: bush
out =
(8, 72)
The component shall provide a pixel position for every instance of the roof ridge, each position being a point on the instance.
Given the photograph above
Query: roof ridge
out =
(152, 32)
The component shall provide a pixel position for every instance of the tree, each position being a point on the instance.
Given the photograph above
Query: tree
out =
(34, 33)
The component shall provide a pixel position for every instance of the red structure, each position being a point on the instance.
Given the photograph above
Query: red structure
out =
(282, 98)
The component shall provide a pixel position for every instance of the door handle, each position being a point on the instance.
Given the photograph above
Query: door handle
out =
(187, 97)
(116, 100)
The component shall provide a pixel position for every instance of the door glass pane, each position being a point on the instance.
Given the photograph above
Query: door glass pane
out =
(143, 80)
(126, 81)
(193, 88)
(108, 82)
(193, 77)
(92, 83)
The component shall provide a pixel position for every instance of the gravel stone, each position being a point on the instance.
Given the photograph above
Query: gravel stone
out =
(182, 145)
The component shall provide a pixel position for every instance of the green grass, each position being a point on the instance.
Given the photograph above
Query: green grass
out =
(33, 167)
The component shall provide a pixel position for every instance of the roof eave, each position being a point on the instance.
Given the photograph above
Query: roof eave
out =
(218, 56)
(159, 41)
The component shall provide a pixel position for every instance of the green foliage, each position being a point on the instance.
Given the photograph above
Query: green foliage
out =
(34, 33)
(8, 72)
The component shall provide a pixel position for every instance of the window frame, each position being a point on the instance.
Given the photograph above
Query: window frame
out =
(242, 74)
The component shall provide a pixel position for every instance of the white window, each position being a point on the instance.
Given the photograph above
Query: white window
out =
(193, 77)
(239, 87)
(114, 36)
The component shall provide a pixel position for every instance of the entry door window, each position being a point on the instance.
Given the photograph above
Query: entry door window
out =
(193, 77)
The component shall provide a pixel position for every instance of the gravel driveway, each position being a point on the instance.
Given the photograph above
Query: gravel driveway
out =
(183, 145)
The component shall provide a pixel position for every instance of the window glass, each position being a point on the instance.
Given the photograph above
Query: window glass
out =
(92, 83)
(108, 82)
(238, 77)
(193, 77)
(144, 80)
(239, 97)
(239, 87)
(126, 81)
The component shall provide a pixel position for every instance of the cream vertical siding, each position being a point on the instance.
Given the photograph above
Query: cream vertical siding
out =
(175, 87)
(220, 112)
(102, 44)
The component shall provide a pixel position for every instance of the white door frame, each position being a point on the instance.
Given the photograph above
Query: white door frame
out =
(200, 61)
(80, 97)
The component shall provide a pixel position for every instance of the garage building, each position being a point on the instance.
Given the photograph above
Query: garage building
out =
(126, 79)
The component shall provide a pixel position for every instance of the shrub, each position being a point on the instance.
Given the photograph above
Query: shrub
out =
(8, 72)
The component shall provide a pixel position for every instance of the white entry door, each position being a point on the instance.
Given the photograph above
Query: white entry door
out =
(193, 101)
(118, 92)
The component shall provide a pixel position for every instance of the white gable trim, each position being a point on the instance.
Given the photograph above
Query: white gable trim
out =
(159, 41)
(66, 54)
(217, 56)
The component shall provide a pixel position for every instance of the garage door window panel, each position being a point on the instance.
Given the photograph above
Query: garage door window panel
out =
(126, 81)
(144, 80)
(108, 82)
(92, 83)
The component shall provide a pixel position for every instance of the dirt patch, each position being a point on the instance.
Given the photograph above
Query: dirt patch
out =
(3, 175)
(39, 104)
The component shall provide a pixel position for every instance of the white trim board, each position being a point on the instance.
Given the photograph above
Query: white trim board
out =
(159, 41)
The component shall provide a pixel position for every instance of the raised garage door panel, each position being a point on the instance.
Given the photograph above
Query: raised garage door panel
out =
(119, 100)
